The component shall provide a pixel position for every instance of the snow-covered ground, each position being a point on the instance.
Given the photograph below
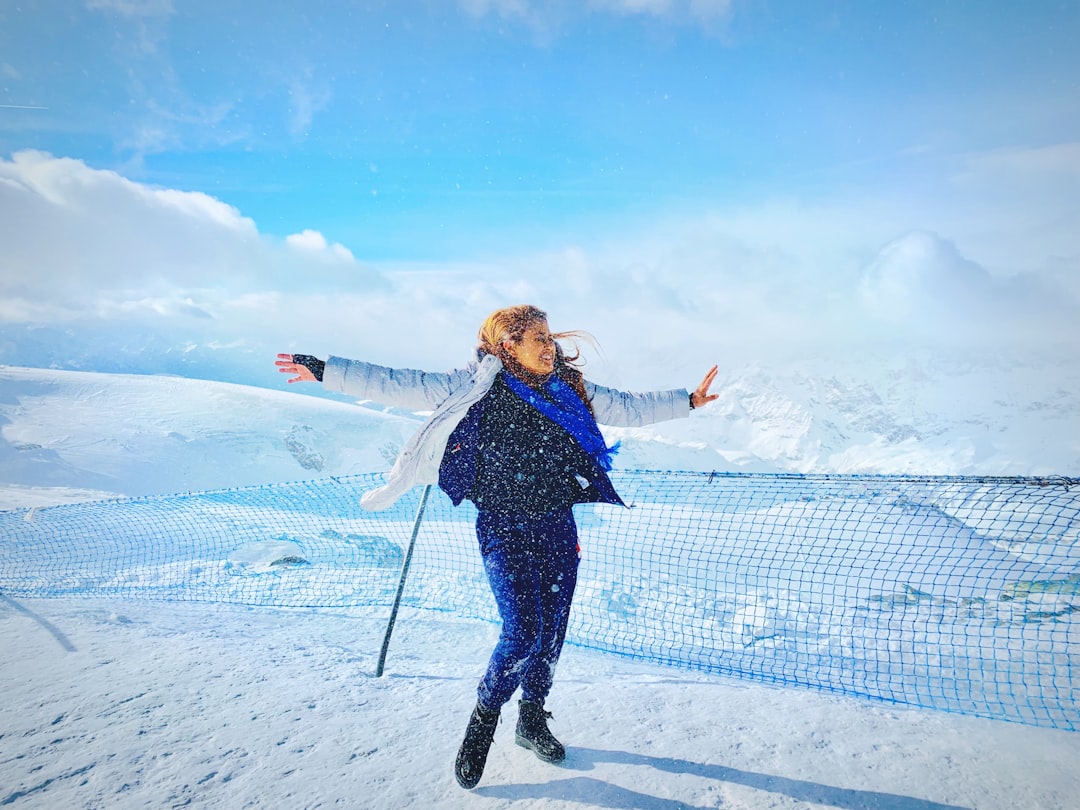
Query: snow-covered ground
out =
(65, 434)
(125, 704)
(131, 703)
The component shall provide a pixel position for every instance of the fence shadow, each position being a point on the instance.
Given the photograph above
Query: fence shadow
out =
(604, 794)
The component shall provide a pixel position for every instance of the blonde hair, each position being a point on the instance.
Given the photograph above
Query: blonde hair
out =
(509, 324)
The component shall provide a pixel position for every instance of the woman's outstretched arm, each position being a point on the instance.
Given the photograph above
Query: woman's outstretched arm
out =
(629, 409)
(403, 388)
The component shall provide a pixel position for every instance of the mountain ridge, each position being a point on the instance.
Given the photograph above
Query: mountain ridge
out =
(96, 434)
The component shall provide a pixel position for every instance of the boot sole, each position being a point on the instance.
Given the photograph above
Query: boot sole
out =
(469, 781)
(524, 743)
(468, 784)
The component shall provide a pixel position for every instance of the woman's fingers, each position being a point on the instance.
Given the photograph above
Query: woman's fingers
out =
(286, 365)
(701, 395)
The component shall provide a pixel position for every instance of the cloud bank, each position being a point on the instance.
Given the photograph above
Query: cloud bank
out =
(96, 267)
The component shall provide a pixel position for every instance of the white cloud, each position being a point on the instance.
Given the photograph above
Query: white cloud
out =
(133, 8)
(1018, 208)
(1032, 163)
(922, 288)
(921, 271)
(541, 15)
(711, 9)
(501, 8)
(705, 10)
(163, 307)
(70, 227)
(314, 243)
(86, 251)
(79, 242)
(305, 100)
(653, 7)
(146, 19)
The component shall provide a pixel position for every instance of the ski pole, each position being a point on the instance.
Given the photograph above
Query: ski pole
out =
(401, 583)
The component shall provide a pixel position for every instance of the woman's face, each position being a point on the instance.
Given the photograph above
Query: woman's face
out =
(536, 350)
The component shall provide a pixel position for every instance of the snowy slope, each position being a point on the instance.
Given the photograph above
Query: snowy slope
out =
(117, 434)
(87, 434)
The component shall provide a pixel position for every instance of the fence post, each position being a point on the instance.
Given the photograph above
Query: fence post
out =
(401, 582)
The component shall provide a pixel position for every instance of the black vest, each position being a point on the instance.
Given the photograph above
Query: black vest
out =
(506, 456)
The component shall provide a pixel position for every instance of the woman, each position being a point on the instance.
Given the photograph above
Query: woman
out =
(517, 435)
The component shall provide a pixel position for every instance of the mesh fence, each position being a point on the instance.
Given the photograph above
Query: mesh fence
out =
(960, 594)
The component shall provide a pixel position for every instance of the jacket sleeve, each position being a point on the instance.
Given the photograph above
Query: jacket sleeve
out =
(402, 388)
(626, 409)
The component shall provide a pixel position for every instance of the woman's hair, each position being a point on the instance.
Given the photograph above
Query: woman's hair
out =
(507, 324)
(511, 323)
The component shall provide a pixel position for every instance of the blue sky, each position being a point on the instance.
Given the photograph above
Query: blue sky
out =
(716, 164)
(420, 129)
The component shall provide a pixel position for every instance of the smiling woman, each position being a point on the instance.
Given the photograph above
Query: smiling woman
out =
(516, 433)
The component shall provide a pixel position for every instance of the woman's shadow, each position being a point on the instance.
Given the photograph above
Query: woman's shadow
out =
(588, 790)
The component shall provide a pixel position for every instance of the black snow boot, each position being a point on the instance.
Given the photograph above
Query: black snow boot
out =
(472, 756)
(532, 732)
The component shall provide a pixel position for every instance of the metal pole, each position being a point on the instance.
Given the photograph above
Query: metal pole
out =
(401, 583)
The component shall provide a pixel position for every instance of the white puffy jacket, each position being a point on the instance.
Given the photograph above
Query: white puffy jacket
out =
(450, 395)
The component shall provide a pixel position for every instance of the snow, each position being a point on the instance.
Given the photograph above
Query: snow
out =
(137, 703)
(146, 704)
(142, 435)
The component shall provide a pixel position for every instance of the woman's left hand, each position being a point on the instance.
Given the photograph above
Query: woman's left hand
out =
(304, 366)
(701, 395)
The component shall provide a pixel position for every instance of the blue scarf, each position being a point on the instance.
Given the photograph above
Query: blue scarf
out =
(564, 407)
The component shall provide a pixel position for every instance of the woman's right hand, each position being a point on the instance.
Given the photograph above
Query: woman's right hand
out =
(304, 366)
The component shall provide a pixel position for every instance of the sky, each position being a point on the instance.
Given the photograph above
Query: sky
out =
(692, 181)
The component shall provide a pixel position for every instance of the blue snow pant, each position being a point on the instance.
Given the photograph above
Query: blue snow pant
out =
(531, 564)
